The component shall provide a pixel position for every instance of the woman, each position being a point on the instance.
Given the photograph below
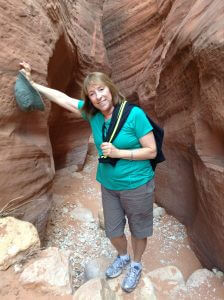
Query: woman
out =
(127, 188)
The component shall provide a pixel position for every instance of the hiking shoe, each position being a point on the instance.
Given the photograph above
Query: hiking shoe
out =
(131, 279)
(116, 268)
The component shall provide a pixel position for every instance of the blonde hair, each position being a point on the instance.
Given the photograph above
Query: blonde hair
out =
(99, 78)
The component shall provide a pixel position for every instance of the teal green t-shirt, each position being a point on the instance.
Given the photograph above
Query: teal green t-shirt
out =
(126, 174)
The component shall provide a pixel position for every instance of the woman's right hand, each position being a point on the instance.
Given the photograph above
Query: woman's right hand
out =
(26, 70)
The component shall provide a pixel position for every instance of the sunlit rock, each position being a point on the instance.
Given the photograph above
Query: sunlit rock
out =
(18, 240)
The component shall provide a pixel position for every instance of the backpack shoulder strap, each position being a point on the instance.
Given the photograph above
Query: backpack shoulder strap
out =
(158, 134)
(157, 131)
(117, 124)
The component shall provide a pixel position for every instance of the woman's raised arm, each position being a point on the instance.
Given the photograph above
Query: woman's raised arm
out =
(53, 95)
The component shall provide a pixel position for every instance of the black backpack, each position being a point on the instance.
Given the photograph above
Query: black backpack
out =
(157, 131)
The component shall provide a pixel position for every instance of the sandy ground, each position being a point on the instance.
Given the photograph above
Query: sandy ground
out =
(168, 246)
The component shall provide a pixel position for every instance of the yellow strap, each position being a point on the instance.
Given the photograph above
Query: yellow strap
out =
(118, 120)
(117, 123)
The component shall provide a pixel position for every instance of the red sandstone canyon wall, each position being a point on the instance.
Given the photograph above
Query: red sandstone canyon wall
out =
(165, 54)
(187, 79)
(63, 41)
(177, 75)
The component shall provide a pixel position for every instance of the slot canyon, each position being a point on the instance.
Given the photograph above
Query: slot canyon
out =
(165, 55)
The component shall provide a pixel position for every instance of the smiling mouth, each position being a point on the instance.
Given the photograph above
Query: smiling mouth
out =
(102, 101)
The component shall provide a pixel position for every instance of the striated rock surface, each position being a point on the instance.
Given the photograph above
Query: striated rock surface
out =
(78, 50)
(169, 55)
(183, 79)
(130, 30)
(63, 41)
(18, 239)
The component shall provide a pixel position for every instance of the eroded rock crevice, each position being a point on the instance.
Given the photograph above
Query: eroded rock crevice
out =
(69, 146)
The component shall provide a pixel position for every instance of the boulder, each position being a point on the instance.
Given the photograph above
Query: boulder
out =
(95, 268)
(158, 212)
(18, 240)
(144, 291)
(49, 272)
(168, 281)
(97, 289)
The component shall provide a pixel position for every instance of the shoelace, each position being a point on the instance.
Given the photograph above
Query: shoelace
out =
(118, 262)
(133, 272)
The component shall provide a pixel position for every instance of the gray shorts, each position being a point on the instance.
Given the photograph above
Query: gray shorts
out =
(136, 204)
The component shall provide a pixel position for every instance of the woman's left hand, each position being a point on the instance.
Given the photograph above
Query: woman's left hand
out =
(109, 150)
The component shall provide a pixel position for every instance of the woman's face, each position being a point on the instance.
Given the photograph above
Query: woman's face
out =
(100, 96)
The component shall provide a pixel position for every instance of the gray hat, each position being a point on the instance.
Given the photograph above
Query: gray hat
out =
(27, 97)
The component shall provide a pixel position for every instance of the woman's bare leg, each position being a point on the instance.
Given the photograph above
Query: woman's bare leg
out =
(120, 244)
(138, 247)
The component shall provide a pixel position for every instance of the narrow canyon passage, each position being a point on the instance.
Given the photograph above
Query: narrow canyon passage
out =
(165, 55)
(75, 224)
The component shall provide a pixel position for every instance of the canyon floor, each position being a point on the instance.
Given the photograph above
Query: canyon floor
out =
(169, 244)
